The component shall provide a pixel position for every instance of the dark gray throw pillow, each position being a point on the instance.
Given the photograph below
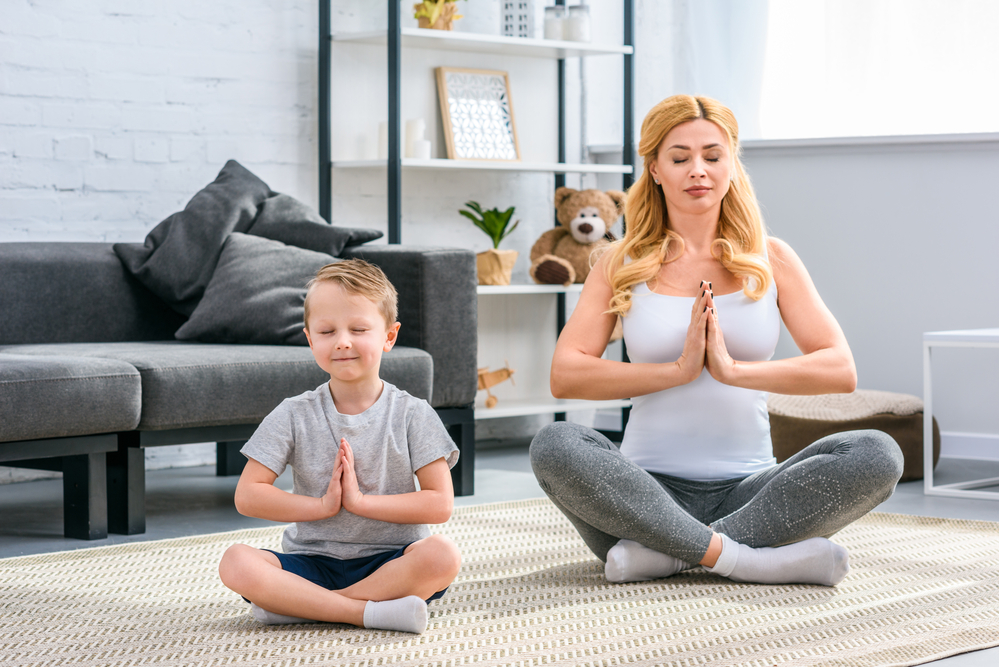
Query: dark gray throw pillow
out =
(178, 256)
(283, 218)
(256, 295)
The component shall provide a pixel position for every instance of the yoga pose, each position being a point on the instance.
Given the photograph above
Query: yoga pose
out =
(358, 551)
(702, 291)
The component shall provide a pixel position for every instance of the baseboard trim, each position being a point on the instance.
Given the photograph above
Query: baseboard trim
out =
(958, 445)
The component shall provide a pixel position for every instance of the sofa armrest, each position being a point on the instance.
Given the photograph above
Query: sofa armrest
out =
(438, 310)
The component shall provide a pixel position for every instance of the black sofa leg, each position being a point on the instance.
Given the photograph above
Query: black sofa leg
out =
(126, 481)
(463, 473)
(84, 496)
(228, 460)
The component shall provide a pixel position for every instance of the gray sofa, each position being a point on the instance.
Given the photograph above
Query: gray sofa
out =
(91, 373)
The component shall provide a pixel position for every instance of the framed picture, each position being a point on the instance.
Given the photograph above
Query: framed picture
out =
(478, 114)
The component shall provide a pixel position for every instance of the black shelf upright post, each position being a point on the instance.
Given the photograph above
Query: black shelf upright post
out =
(560, 182)
(628, 141)
(394, 120)
(325, 122)
(627, 148)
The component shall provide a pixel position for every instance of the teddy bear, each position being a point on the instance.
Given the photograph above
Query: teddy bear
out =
(561, 256)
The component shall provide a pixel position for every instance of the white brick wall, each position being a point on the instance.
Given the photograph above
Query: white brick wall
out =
(113, 113)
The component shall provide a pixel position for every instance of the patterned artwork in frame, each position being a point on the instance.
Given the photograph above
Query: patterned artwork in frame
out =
(477, 114)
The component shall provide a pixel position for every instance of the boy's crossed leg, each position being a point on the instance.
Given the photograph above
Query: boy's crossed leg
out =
(390, 598)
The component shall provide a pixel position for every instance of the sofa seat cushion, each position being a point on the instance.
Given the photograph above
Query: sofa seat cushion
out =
(188, 385)
(52, 396)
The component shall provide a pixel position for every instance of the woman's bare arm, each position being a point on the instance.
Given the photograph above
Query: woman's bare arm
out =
(826, 364)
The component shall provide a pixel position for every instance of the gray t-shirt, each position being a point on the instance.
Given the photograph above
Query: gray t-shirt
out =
(391, 440)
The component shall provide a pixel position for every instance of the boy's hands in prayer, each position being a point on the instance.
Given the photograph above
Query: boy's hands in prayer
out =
(350, 494)
(331, 501)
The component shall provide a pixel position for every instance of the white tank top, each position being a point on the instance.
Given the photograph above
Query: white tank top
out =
(703, 430)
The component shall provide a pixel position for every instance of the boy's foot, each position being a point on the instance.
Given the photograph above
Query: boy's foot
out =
(270, 618)
(631, 561)
(408, 614)
(812, 561)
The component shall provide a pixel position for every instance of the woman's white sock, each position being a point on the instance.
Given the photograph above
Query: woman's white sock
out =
(631, 561)
(812, 561)
(408, 614)
(270, 618)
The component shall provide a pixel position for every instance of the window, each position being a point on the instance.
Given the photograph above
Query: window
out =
(880, 67)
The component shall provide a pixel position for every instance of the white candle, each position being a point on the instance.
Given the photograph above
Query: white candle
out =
(415, 127)
(421, 149)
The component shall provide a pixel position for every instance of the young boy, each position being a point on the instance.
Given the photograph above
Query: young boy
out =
(358, 551)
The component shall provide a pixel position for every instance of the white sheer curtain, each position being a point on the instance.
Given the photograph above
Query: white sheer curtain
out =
(717, 50)
(880, 67)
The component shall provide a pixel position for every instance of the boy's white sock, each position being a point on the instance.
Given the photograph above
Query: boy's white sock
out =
(270, 618)
(408, 614)
(631, 561)
(812, 561)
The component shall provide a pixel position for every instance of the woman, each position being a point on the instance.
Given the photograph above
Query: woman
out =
(702, 291)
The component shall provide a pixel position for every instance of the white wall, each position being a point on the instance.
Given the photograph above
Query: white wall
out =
(113, 113)
(900, 237)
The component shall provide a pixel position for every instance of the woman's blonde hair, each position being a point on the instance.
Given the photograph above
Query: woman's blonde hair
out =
(648, 240)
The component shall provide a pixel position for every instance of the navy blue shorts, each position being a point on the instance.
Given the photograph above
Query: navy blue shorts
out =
(334, 574)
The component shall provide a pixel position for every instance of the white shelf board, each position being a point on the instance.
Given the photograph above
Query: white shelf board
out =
(541, 406)
(490, 165)
(484, 290)
(480, 43)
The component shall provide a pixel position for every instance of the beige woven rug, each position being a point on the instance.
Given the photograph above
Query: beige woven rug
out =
(529, 594)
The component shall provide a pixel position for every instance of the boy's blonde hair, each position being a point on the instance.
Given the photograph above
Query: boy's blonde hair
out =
(362, 278)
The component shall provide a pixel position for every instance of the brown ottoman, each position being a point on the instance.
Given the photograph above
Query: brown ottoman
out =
(798, 421)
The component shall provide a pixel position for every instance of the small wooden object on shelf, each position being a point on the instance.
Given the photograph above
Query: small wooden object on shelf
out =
(488, 378)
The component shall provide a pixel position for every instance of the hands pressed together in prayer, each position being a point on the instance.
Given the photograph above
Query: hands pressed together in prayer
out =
(705, 343)
(343, 490)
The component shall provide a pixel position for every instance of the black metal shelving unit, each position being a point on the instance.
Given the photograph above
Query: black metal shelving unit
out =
(459, 421)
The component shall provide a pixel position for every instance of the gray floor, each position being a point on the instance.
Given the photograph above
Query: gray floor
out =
(193, 501)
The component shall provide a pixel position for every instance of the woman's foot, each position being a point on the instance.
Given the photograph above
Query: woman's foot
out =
(631, 561)
(812, 561)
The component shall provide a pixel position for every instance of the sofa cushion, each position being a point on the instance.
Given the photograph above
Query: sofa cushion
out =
(283, 218)
(256, 295)
(178, 256)
(202, 384)
(60, 396)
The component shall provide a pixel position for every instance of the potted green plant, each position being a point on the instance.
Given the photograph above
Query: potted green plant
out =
(494, 266)
(436, 14)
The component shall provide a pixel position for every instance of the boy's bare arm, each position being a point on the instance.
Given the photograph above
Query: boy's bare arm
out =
(257, 496)
(431, 504)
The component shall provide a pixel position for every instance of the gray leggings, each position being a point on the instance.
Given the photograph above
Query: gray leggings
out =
(816, 492)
